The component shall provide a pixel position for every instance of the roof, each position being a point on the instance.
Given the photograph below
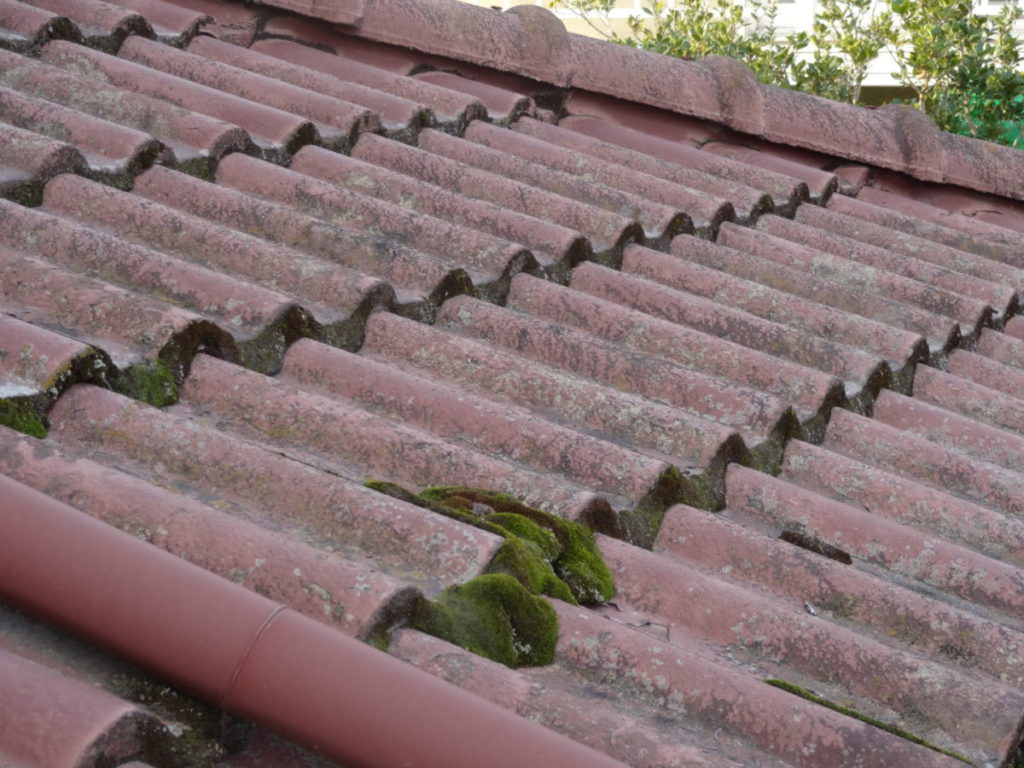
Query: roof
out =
(765, 346)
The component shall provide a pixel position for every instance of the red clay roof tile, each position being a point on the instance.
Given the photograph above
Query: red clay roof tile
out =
(660, 222)
(448, 105)
(551, 243)
(194, 138)
(108, 148)
(95, 728)
(275, 131)
(605, 365)
(29, 159)
(415, 275)
(643, 151)
(101, 24)
(667, 297)
(345, 590)
(24, 27)
(605, 230)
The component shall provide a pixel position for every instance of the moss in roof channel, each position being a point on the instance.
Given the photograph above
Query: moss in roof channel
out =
(494, 616)
(888, 727)
(151, 382)
(500, 615)
(22, 414)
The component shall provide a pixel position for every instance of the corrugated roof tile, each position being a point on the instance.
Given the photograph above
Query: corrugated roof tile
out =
(338, 297)
(95, 727)
(1004, 280)
(605, 365)
(747, 201)
(28, 160)
(649, 426)
(342, 589)
(861, 534)
(461, 417)
(172, 22)
(714, 610)
(917, 458)
(705, 213)
(130, 327)
(399, 116)
(502, 105)
(258, 316)
(555, 246)
(706, 210)
(850, 596)
(453, 109)
(883, 319)
(677, 678)
(110, 150)
(25, 28)
(606, 231)
(758, 416)
(692, 266)
(179, 448)
(195, 139)
(421, 280)
(102, 25)
(489, 259)
(786, 192)
(810, 391)
(345, 12)
(886, 217)
(276, 132)
(857, 369)
(863, 268)
(337, 122)
(550, 696)
(660, 222)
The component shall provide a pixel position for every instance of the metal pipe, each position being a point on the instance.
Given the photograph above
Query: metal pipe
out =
(250, 655)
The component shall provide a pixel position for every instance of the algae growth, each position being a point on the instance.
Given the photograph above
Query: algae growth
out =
(873, 721)
(151, 382)
(499, 614)
(493, 616)
(22, 414)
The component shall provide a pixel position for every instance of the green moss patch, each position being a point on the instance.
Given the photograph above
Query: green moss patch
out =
(151, 382)
(542, 555)
(21, 414)
(888, 727)
(494, 616)
(536, 543)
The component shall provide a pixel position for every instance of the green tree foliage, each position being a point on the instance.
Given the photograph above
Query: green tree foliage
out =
(963, 69)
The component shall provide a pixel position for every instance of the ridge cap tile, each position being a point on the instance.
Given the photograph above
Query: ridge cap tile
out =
(532, 41)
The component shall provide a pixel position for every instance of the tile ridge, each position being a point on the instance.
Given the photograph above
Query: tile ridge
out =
(532, 41)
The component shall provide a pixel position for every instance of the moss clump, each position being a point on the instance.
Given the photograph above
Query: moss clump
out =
(874, 721)
(379, 639)
(576, 562)
(151, 382)
(494, 616)
(499, 615)
(525, 562)
(21, 414)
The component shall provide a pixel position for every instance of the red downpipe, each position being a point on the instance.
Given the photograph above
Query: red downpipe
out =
(251, 656)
